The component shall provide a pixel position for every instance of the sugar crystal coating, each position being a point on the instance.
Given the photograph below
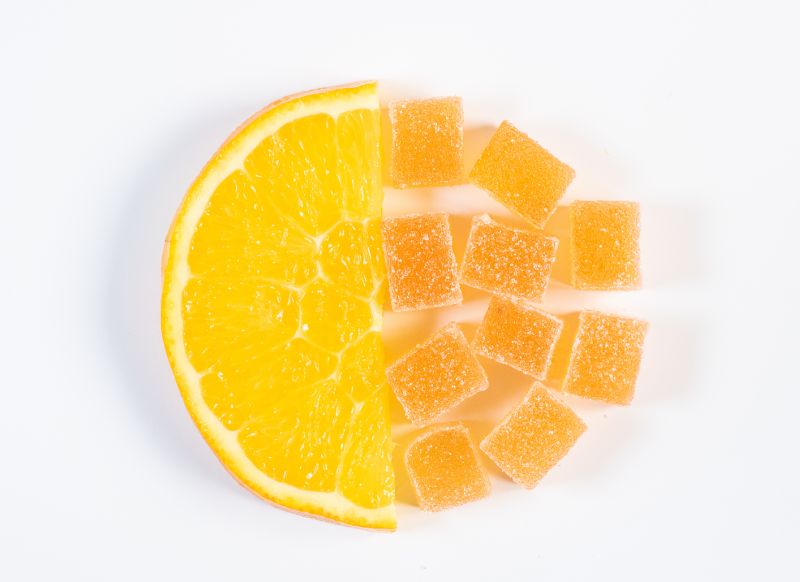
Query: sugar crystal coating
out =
(444, 468)
(518, 335)
(605, 245)
(427, 142)
(533, 437)
(436, 375)
(605, 358)
(420, 264)
(521, 174)
(510, 262)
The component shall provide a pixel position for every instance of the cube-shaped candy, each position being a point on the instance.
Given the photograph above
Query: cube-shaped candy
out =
(605, 245)
(420, 264)
(605, 357)
(518, 335)
(443, 467)
(533, 437)
(427, 142)
(509, 262)
(521, 174)
(436, 375)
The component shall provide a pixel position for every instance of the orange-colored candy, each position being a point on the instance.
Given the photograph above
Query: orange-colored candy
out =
(427, 142)
(605, 357)
(505, 261)
(420, 264)
(605, 245)
(443, 467)
(436, 375)
(521, 174)
(533, 437)
(518, 335)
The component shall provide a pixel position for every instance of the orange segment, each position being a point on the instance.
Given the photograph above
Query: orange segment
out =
(272, 304)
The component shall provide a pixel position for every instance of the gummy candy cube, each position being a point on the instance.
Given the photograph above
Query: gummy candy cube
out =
(436, 375)
(427, 142)
(444, 469)
(518, 335)
(505, 261)
(533, 437)
(521, 174)
(605, 357)
(420, 263)
(605, 245)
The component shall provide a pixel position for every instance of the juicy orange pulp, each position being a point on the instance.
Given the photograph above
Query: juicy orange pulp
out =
(272, 304)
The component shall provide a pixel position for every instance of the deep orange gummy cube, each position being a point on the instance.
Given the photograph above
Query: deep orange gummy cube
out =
(436, 375)
(444, 468)
(533, 437)
(518, 335)
(420, 264)
(521, 174)
(427, 142)
(605, 245)
(509, 262)
(605, 358)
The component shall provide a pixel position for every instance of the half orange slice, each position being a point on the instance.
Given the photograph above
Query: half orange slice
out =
(272, 307)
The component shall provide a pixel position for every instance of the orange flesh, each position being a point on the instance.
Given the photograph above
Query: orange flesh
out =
(444, 469)
(427, 142)
(533, 437)
(420, 263)
(517, 335)
(605, 245)
(272, 307)
(509, 262)
(605, 357)
(250, 301)
(521, 174)
(436, 376)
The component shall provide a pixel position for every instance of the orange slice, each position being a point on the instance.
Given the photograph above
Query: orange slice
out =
(272, 306)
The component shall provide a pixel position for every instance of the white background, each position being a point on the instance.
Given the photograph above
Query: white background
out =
(106, 114)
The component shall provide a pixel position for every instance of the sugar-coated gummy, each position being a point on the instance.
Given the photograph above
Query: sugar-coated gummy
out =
(605, 245)
(605, 359)
(509, 262)
(421, 267)
(521, 174)
(427, 142)
(518, 335)
(444, 469)
(436, 375)
(533, 437)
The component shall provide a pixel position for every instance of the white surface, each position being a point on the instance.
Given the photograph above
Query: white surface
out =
(108, 113)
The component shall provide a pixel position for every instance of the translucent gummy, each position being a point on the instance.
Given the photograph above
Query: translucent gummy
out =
(444, 468)
(436, 376)
(420, 264)
(509, 262)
